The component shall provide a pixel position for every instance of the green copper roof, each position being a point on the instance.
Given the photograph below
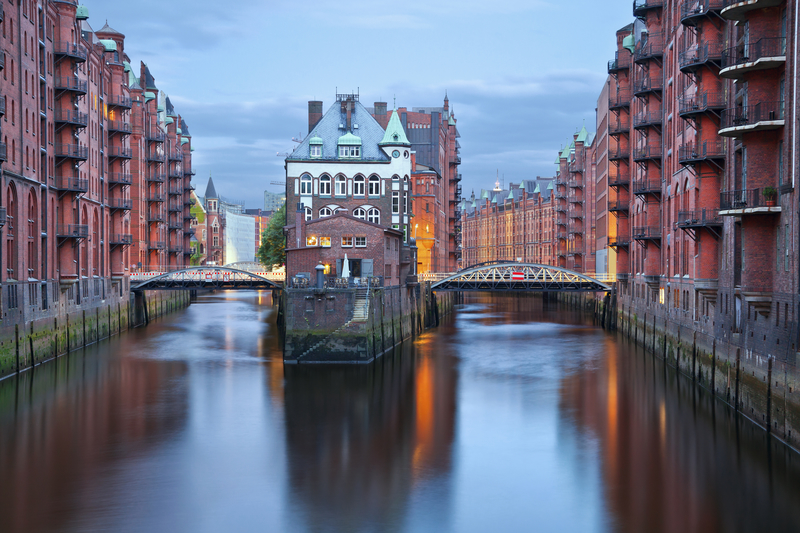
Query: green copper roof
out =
(82, 13)
(522, 185)
(348, 139)
(110, 46)
(178, 131)
(395, 134)
(494, 199)
(161, 107)
(564, 153)
(169, 120)
(536, 190)
(550, 187)
(629, 43)
(127, 66)
(315, 140)
(184, 140)
(484, 194)
(510, 195)
(473, 203)
(451, 121)
(582, 135)
(149, 96)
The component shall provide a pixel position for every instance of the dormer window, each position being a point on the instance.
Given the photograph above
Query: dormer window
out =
(349, 146)
(316, 150)
(349, 151)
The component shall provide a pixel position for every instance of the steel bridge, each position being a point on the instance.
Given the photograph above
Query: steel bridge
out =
(531, 277)
(205, 277)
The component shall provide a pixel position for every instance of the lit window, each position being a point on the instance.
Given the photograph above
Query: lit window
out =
(374, 186)
(361, 242)
(341, 185)
(325, 242)
(374, 216)
(316, 150)
(347, 241)
(358, 186)
(325, 185)
(311, 240)
(325, 212)
(305, 184)
(360, 213)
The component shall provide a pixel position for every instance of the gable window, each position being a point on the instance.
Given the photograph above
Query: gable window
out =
(347, 241)
(341, 185)
(358, 186)
(361, 242)
(325, 185)
(305, 184)
(360, 213)
(315, 150)
(374, 216)
(349, 151)
(374, 186)
(325, 212)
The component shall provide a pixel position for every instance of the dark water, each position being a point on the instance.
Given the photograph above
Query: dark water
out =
(508, 417)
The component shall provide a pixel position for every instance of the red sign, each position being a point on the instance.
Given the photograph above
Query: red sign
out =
(208, 276)
(517, 276)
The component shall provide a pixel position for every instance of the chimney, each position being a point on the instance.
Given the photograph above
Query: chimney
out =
(300, 225)
(380, 108)
(314, 113)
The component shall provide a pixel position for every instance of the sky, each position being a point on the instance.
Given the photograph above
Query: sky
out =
(521, 76)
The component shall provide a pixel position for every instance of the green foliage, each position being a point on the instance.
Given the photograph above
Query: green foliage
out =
(273, 242)
(195, 259)
(197, 212)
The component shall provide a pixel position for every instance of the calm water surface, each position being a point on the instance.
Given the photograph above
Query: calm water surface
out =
(511, 416)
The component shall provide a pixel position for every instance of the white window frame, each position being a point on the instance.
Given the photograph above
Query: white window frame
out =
(374, 186)
(309, 214)
(341, 185)
(305, 184)
(360, 212)
(374, 215)
(349, 151)
(325, 185)
(344, 242)
(363, 243)
(325, 212)
(395, 202)
(359, 186)
(315, 150)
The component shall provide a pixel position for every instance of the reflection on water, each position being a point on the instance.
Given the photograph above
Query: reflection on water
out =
(514, 415)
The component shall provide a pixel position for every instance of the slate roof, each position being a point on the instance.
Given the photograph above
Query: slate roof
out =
(370, 132)
(170, 109)
(108, 29)
(149, 80)
(185, 129)
(211, 192)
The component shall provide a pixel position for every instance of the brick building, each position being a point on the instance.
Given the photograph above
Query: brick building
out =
(72, 163)
(215, 225)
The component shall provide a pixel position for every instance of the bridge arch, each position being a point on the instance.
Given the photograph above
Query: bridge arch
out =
(207, 277)
(532, 277)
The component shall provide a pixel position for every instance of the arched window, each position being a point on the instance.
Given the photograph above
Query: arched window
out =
(324, 185)
(307, 211)
(305, 184)
(325, 212)
(361, 213)
(11, 222)
(341, 185)
(374, 215)
(374, 185)
(395, 178)
(358, 186)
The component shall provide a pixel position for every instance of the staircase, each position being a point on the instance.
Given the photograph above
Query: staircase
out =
(360, 314)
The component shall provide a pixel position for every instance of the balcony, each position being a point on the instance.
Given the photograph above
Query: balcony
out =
(119, 178)
(118, 126)
(124, 204)
(121, 152)
(561, 209)
(175, 208)
(72, 231)
(707, 151)
(577, 166)
(561, 235)
(619, 154)
(187, 216)
(620, 179)
(119, 101)
(701, 103)
(759, 117)
(72, 151)
(71, 83)
(759, 201)
(175, 249)
(619, 126)
(647, 119)
(737, 9)
(155, 217)
(699, 218)
(765, 53)
(705, 53)
(65, 49)
(618, 206)
(650, 152)
(619, 241)
(175, 173)
(175, 191)
(156, 197)
(157, 137)
(175, 225)
(644, 86)
(155, 157)
(121, 239)
(575, 184)
(650, 47)
(619, 63)
(67, 116)
(190, 172)
(156, 177)
(176, 156)
(573, 199)
(641, 7)
(641, 187)
(576, 213)
(71, 184)
(157, 245)
(693, 11)
(620, 100)
(647, 233)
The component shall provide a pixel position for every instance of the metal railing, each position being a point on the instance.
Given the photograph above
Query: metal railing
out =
(618, 205)
(646, 118)
(646, 186)
(157, 245)
(121, 203)
(651, 151)
(753, 51)
(700, 103)
(155, 217)
(71, 117)
(119, 101)
(619, 153)
(752, 114)
(648, 84)
(119, 178)
(74, 151)
(646, 232)
(619, 240)
(155, 156)
(118, 125)
(622, 98)
(68, 183)
(700, 54)
(621, 125)
(76, 231)
(63, 48)
(71, 83)
(157, 136)
(119, 151)
(121, 239)
(641, 6)
(619, 63)
(702, 151)
(748, 198)
(699, 217)
(155, 197)
(157, 177)
(650, 46)
(698, 8)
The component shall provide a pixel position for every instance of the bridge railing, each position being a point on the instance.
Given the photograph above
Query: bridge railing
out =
(433, 277)
(148, 273)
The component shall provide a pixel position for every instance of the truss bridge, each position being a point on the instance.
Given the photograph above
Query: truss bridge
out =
(203, 277)
(505, 277)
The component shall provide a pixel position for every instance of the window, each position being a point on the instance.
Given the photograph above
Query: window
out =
(305, 184)
(360, 213)
(215, 228)
(361, 242)
(325, 242)
(358, 186)
(349, 151)
(374, 186)
(315, 150)
(374, 216)
(325, 185)
(325, 212)
(216, 240)
(311, 240)
(395, 202)
(395, 178)
(307, 211)
(347, 241)
(341, 185)
(405, 204)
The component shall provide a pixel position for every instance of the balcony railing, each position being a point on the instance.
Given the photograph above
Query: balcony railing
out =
(126, 204)
(748, 198)
(119, 178)
(119, 101)
(619, 240)
(119, 151)
(640, 7)
(647, 187)
(175, 224)
(156, 177)
(175, 249)
(155, 197)
(71, 184)
(646, 85)
(175, 173)
(646, 119)
(619, 153)
(622, 62)
(73, 151)
(703, 53)
(72, 231)
(155, 217)
(118, 126)
(63, 48)
(3, 151)
(176, 191)
(700, 103)
(157, 245)
(69, 116)
(71, 83)
(618, 206)
(175, 155)
(699, 218)
(155, 157)
(157, 136)
(748, 117)
(175, 208)
(766, 47)
(576, 184)
(121, 239)
(619, 179)
(692, 10)
(577, 166)
(649, 152)
(622, 98)
(641, 233)
(651, 46)
(695, 153)
(621, 125)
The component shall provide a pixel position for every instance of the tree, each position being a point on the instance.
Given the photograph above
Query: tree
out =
(273, 242)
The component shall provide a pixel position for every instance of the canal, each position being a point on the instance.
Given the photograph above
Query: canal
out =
(513, 415)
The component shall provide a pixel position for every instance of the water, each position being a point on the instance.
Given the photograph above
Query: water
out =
(510, 416)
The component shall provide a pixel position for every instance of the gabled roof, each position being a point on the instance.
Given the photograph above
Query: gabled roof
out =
(329, 131)
(582, 135)
(211, 192)
(149, 80)
(185, 129)
(395, 134)
(108, 29)
(170, 108)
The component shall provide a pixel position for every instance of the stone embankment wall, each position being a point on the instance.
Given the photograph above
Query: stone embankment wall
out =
(32, 332)
(319, 326)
